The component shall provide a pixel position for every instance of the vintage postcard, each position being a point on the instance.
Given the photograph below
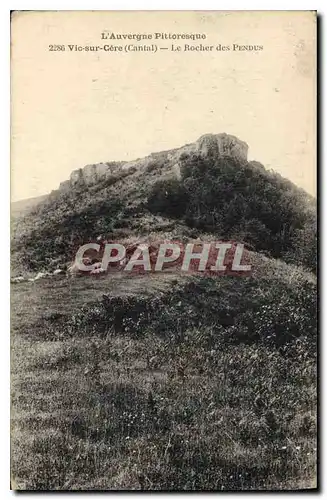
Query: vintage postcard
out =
(164, 255)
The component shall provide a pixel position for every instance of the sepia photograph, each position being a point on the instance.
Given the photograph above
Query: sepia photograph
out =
(163, 276)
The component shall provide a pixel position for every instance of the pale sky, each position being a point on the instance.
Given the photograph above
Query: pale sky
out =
(70, 109)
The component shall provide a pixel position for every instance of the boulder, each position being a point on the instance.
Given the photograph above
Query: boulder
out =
(40, 275)
(58, 271)
(98, 270)
(18, 279)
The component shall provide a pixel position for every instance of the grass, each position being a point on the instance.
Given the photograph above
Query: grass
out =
(114, 402)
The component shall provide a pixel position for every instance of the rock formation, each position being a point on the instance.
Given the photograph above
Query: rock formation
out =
(215, 144)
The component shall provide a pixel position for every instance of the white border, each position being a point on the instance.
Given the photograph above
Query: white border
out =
(5, 7)
(165, 5)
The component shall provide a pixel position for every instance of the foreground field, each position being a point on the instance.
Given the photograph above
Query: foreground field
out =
(147, 384)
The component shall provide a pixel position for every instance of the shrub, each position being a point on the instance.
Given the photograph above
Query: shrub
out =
(168, 197)
(235, 199)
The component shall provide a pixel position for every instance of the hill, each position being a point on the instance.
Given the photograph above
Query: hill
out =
(207, 187)
(160, 381)
(22, 207)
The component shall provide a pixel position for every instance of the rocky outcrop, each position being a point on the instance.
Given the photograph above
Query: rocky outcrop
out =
(217, 145)
(222, 145)
(91, 174)
(168, 161)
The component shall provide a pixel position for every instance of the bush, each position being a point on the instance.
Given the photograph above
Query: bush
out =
(168, 197)
(231, 311)
(239, 200)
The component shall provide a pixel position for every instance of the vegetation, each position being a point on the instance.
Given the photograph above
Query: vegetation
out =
(148, 391)
(167, 382)
(241, 200)
(222, 196)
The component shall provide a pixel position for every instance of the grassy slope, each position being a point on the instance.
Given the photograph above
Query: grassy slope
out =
(144, 393)
(22, 207)
(99, 409)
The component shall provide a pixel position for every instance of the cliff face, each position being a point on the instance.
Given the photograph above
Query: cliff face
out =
(222, 145)
(216, 144)
(91, 174)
